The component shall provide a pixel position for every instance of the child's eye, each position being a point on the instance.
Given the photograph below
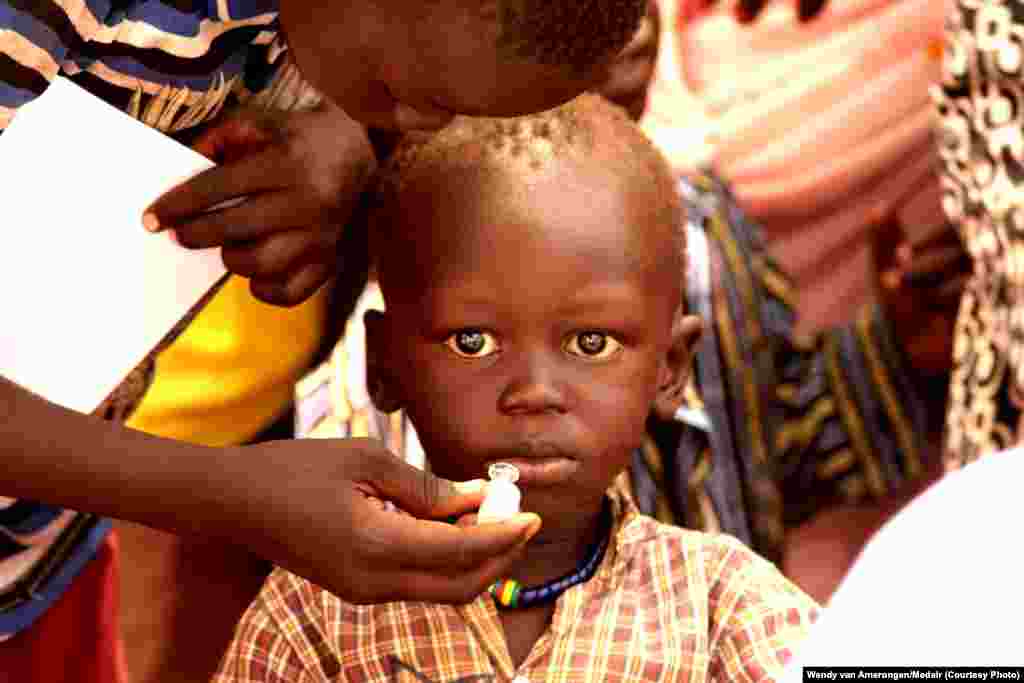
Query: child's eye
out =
(472, 343)
(593, 345)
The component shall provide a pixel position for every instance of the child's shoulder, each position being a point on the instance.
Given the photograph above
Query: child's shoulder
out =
(711, 546)
(719, 565)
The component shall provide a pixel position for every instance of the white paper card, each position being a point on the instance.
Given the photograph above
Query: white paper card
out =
(939, 584)
(88, 293)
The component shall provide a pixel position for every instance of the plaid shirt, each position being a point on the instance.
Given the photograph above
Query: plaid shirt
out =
(667, 604)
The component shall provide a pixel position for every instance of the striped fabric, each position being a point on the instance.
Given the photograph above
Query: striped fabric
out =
(799, 424)
(666, 605)
(192, 53)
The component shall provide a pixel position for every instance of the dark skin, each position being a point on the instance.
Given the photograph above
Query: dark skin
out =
(630, 75)
(491, 365)
(389, 64)
(302, 174)
(328, 502)
(294, 180)
(298, 176)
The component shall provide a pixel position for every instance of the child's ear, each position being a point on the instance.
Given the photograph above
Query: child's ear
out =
(675, 368)
(380, 379)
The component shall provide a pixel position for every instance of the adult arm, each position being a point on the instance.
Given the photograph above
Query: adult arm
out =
(294, 502)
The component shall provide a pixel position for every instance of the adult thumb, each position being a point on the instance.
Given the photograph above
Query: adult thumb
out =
(421, 493)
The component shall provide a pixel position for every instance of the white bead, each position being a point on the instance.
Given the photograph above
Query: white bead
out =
(520, 679)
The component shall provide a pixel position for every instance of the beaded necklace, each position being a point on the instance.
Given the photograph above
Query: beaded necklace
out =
(510, 594)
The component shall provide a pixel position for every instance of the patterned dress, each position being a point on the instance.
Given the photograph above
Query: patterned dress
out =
(980, 117)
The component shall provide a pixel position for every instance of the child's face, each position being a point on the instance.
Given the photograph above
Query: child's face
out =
(439, 57)
(532, 324)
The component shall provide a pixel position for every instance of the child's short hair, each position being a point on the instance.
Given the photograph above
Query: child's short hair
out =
(574, 128)
(569, 33)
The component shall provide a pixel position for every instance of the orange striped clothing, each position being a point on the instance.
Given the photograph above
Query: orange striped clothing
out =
(667, 604)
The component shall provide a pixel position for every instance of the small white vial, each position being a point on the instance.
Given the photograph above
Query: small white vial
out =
(503, 496)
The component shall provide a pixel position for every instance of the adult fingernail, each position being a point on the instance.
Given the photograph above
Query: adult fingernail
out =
(150, 222)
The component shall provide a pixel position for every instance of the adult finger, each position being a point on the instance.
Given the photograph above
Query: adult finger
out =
(941, 231)
(263, 171)
(431, 585)
(250, 219)
(467, 520)
(458, 589)
(927, 233)
(295, 289)
(271, 256)
(938, 261)
(951, 292)
(425, 544)
(888, 233)
(421, 493)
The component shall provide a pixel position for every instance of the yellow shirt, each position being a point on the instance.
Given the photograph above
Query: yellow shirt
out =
(232, 372)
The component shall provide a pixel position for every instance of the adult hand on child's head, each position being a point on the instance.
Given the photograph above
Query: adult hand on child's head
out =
(327, 523)
(629, 76)
(920, 282)
(299, 177)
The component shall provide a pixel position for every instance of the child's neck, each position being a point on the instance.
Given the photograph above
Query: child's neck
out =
(559, 549)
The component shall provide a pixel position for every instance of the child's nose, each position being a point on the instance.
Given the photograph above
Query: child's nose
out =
(533, 388)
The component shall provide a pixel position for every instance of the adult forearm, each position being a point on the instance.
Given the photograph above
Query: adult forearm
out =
(57, 456)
